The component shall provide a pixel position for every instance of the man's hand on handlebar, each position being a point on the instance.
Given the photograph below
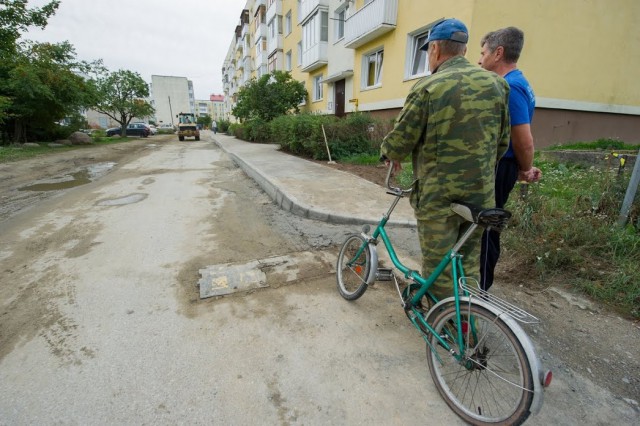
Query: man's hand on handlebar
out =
(396, 166)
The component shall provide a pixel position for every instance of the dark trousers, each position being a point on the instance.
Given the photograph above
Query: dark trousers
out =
(506, 177)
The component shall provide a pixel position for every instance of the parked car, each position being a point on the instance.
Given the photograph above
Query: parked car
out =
(133, 129)
(153, 129)
(166, 127)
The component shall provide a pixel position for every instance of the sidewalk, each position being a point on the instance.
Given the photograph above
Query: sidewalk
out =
(311, 190)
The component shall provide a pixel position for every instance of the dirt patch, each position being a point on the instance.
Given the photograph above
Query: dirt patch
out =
(45, 170)
(575, 334)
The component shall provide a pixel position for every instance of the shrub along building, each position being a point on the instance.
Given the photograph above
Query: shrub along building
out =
(581, 57)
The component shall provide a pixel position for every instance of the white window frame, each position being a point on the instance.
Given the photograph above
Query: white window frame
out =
(415, 39)
(300, 53)
(316, 29)
(377, 58)
(287, 23)
(340, 17)
(287, 61)
(317, 88)
(304, 99)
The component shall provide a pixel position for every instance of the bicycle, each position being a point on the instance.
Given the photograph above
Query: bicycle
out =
(481, 361)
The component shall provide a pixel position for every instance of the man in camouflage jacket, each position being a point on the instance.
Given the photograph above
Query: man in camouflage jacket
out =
(455, 124)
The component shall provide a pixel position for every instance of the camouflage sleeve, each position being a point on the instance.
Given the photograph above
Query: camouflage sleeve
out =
(408, 128)
(505, 133)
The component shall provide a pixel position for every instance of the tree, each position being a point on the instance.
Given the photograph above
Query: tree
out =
(15, 18)
(269, 96)
(40, 85)
(121, 95)
(204, 120)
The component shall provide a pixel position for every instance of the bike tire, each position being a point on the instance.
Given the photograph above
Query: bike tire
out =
(494, 383)
(352, 273)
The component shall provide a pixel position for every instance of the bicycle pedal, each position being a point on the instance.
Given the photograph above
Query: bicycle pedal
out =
(384, 274)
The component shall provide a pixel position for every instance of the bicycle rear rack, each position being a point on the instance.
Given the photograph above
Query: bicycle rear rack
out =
(503, 306)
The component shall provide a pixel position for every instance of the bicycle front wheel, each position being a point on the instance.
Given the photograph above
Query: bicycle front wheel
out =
(353, 267)
(493, 383)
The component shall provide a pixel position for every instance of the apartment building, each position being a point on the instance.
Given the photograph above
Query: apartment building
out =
(170, 96)
(362, 55)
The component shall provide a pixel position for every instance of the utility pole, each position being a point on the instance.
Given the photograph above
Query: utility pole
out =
(170, 110)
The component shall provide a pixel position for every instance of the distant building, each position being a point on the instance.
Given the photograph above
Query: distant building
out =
(170, 96)
(218, 109)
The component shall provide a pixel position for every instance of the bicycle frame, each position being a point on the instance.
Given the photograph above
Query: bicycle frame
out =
(453, 257)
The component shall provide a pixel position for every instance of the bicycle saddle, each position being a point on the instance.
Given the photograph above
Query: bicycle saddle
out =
(493, 218)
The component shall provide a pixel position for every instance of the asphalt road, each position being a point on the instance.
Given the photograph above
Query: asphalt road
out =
(102, 322)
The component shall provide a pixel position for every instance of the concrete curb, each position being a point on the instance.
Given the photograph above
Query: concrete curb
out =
(291, 204)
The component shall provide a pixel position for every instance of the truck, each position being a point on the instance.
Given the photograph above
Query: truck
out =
(187, 126)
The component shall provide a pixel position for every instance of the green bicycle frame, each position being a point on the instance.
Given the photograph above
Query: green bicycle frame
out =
(457, 271)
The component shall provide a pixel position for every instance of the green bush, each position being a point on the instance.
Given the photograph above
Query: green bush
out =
(223, 126)
(256, 130)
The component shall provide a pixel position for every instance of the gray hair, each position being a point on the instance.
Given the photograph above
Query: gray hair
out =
(510, 38)
(452, 47)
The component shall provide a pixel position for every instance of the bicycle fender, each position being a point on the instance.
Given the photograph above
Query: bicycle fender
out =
(373, 267)
(525, 341)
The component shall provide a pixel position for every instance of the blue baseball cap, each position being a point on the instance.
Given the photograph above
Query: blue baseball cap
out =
(449, 29)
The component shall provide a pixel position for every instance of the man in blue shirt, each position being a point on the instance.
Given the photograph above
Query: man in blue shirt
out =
(500, 51)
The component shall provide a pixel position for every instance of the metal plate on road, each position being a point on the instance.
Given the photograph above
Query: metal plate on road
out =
(228, 278)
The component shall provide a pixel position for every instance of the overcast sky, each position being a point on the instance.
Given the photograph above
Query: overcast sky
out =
(185, 38)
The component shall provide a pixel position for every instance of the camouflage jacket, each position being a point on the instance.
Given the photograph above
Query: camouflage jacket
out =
(455, 124)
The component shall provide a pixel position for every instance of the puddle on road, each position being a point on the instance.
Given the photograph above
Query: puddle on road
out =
(81, 177)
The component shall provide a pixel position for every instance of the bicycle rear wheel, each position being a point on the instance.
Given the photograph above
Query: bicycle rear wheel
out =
(353, 267)
(493, 384)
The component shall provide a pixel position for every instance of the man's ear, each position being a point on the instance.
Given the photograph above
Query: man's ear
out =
(499, 53)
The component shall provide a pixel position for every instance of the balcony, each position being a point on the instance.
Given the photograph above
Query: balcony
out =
(261, 31)
(370, 22)
(274, 44)
(309, 6)
(261, 58)
(244, 31)
(314, 57)
(248, 64)
(274, 9)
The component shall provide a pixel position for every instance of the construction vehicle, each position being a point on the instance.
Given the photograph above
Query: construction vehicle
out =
(187, 126)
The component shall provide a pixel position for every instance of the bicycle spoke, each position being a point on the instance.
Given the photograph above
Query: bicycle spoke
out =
(489, 384)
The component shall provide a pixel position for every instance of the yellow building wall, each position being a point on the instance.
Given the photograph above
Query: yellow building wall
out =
(580, 50)
(412, 15)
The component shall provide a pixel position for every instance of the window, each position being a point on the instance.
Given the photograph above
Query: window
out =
(340, 17)
(272, 63)
(299, 53)
(317, 88)
(315, 30)
(372, 69)
(324, 26)
(287, 23)
(287, 58)
(272, 28)
(417, 59)
(303, 101)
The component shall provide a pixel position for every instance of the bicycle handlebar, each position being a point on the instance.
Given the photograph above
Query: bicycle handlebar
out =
(396, 190)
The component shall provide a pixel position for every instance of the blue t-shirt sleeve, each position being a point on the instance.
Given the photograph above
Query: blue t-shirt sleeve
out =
(519, 106)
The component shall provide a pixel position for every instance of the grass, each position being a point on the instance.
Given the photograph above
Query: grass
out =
(600, 144)
(9, 153)
(566, 226)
